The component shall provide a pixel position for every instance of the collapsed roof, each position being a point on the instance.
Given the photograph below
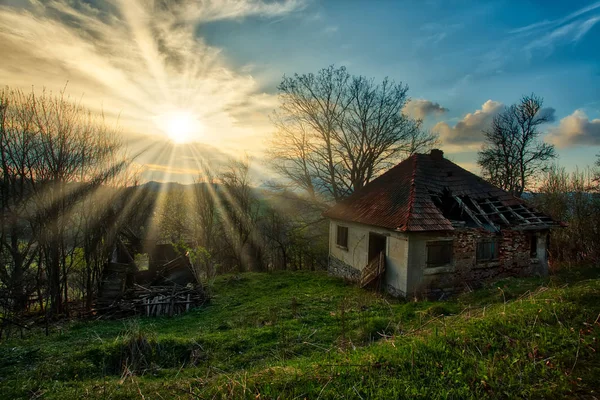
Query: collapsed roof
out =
(427, 192)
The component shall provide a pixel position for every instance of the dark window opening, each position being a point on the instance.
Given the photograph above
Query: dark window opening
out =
(488, 249)
(532, 246)
(439, 252)
(342, 236)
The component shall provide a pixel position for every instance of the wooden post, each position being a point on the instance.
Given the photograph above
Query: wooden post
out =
(172, 301)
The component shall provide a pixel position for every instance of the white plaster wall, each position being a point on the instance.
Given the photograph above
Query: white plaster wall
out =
(357, 252)
(542, 255)
(397, 262)
(417, 260)
(358, 241)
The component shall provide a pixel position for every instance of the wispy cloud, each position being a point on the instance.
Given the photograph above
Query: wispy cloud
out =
(331, 29)
(434, 33)
(137, 59)
(545, 35)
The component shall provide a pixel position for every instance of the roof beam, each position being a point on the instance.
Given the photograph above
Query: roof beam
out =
(466, 209)
(516, 214)
(484, 215)
(493, 207)
(531, 213)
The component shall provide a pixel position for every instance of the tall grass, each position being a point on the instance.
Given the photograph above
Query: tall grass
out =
(305, 335)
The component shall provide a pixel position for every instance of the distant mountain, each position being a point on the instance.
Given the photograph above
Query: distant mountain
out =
(160, 186)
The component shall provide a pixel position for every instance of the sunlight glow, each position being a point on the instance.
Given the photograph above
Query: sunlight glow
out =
(181, 126)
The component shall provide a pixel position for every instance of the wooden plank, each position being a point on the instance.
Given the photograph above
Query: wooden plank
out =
(493, 207)
(468, 211)
(373, 270)
(484, 215)
(519, 216)
(531, 213)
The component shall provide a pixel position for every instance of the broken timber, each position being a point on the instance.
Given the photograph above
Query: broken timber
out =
(374, 269)
(466, 209)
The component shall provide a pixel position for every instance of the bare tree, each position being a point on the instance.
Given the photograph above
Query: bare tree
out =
(204, 209)
(597, 172)
(336, 132)
(239, 212)
(54, 153)
(572, 198)
(18, 149)
(513, 153)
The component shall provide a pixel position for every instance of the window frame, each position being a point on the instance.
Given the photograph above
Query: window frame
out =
(494, 252)
(444, 259)
(345, 229)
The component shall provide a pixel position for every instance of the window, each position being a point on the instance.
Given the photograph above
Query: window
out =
(488, 249)
(342, 236)
(439, 252)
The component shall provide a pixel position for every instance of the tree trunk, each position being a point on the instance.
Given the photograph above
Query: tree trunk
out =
(18, 294)
(53, 269)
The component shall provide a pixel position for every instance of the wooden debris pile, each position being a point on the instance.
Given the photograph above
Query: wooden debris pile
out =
(155, 301)
(165, 300)
(167, 287)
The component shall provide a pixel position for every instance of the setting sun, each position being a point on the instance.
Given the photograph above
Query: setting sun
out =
(181, 126)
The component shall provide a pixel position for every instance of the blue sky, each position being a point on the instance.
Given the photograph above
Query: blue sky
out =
(456, 53)
(217, 63)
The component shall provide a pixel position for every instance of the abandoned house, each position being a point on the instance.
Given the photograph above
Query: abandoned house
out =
(430, 227)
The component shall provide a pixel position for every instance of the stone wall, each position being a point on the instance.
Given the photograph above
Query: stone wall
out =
(339, 268)
(407, 273)
(466, 273)
(394, 291)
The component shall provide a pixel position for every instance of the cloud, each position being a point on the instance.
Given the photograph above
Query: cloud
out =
(548, 113)
(421, 108)
(331, 29)
(545, 35)
(468, 131)
(134, 62)
(575, 129)
(433, 33)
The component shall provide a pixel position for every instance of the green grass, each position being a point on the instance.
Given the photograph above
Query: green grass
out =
(306, 335)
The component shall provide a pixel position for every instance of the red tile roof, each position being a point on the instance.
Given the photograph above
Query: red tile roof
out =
(401, 199)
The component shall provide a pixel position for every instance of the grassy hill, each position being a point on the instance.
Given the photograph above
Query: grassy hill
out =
(306, 335)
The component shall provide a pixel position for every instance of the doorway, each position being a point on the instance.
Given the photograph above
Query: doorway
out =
(376, 244)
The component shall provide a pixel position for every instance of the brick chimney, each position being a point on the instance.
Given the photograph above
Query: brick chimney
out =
(437, 154)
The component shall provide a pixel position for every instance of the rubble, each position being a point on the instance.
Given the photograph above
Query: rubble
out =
(168, 287)
(154, 301)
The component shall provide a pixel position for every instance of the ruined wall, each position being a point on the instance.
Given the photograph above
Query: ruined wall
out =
(464, 271)
(349, 262)
(407, 273)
